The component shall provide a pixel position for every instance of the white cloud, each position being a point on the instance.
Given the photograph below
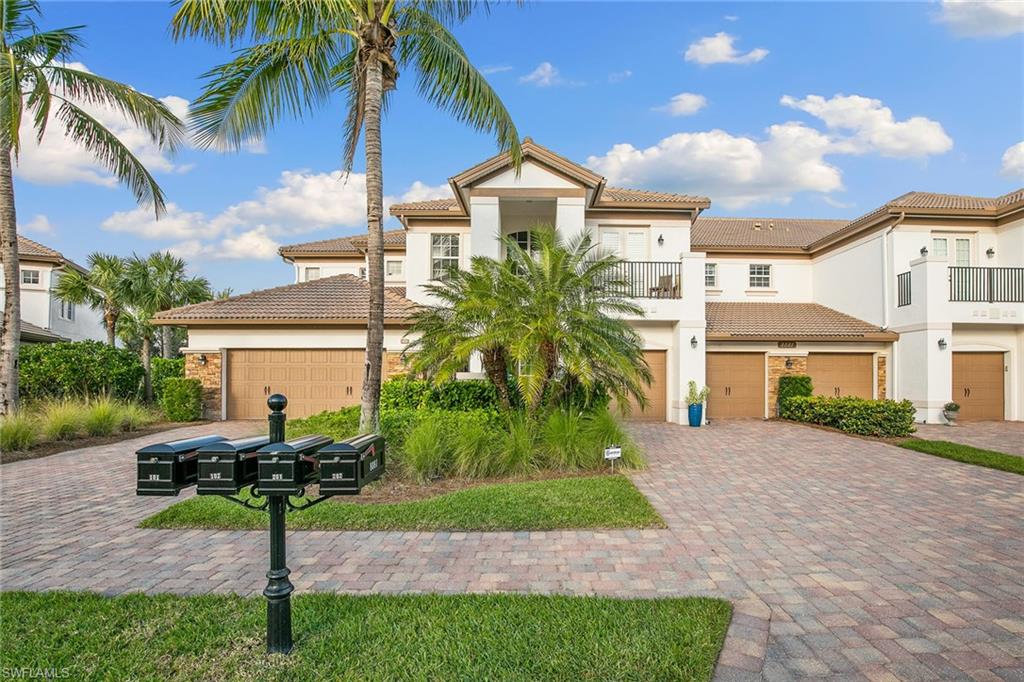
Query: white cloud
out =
(1013, 161)
(835, 203)
(420, 191)
(731, 17)
(983, 18)
(619, 76)
(719, 49)
(545, 75)
(873, 126)
(498, 68)
(39, 224)
(684, 104)
(250, 244)
(174, 224)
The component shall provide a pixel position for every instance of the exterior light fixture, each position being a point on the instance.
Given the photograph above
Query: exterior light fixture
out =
(924, 251)
(693, 342)
(661, 240)
(202, 359)
(789, 363)
(942, 344)
(990, 252)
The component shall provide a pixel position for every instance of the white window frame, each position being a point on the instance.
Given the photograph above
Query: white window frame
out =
(711, 270)
(67, 311)
(623, 234)
(767, 276)
(437, 243)
(311, 270)
(31, 271)
(950, 241)
(394, 275)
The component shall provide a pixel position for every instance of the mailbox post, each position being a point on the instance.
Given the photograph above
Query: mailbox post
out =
(273, 469)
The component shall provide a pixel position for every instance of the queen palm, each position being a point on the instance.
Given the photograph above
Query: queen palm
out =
(38, 88)
(305, 51)
(103, 288)
(171, 287)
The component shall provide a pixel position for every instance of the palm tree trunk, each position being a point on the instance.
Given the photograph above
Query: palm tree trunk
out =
(11, 336)
(110, 322)
(369, 415)
(496, 367)
(147, 380)
(165, 342)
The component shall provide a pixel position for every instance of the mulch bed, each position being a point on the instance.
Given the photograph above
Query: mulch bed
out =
(56, 447)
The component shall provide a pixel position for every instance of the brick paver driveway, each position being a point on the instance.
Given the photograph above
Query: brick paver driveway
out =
(841, 556)
(1005, 437)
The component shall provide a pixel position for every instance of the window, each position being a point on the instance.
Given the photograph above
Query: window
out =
(629, 245)
(963, 251)
(312, 274)
(393, 268)
(940, 247)
(444, 255)
(30, 277)
(67, 311)
(362, 272)
(760, 276)
(710, 275)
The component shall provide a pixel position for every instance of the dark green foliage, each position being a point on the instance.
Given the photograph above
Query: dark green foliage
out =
(967, 454)
(163, 368)
(339, 425)
(183, 399)
(410, 394)
(78, 369)
(887, 418)
(792, 385)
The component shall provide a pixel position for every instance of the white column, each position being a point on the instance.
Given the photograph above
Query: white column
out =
(485, 228)
(569, 216)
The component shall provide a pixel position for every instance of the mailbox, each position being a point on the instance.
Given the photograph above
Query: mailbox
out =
(166, 468)
(228, 466)
(287, 468)
(347, 466)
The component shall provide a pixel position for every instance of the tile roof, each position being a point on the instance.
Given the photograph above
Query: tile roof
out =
(795, 233)
(338, 298)
(31, 332)
(624, 195)
(786, 320)
(446, 204)
(28, 247)
(354, 244)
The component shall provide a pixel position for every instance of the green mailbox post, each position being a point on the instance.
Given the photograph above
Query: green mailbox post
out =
(275, 471)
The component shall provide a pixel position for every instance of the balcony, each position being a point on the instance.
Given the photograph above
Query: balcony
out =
(986, 285)
(651, 279)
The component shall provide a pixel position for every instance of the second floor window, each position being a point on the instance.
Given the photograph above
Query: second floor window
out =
(67, 311)
(710, 275)
(760, 276)
(444, 255)
(312, 273)
(30, 277)
(393, 268)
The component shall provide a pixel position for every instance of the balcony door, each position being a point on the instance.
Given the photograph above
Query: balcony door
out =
(626, 243)
(958, 249)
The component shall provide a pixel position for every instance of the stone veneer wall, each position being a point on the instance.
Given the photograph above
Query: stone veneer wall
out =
(777, 368)
(882, 377)
(209, 376)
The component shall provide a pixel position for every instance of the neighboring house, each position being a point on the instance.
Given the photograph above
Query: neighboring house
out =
(44, 317)
(731, 302)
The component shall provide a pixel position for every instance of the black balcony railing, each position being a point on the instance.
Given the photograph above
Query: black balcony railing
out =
(903, 289)
(986, 285)
(651, 279)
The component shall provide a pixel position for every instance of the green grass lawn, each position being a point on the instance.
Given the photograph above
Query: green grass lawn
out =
(342, 637)
(590, 502)
(965, 453)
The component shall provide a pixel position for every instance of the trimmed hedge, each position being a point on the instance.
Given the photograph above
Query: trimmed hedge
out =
(182, 399)
(78, 369)
(792, 385)
(164, 368)
(459, 396)
(889, 418)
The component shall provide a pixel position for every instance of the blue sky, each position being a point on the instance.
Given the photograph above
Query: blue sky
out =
(798, 109)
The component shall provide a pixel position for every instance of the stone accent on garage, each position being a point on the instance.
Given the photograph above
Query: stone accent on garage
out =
(209, 376)
(777, 368)
(393, 364)
(882, 376)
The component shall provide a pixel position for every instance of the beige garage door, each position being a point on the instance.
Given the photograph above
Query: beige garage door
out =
(978, 385)
(312, 380)
(657, 402)
(839, 374)
(736, 381)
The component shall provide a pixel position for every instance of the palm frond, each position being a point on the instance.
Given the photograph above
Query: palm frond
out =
(355, 112)
(17, 16)
(233, 21)
(46, 46)
(39, 101)
(11, 102)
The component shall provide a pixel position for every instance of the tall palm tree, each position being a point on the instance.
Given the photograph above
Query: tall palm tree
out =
(172, 287)
(38, 87)
(143, 284)
(305, 51)
(469, 317)
(136, 331)
(103, 288)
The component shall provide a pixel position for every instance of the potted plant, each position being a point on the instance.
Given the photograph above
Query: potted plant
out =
(695, 403)
(951, 411)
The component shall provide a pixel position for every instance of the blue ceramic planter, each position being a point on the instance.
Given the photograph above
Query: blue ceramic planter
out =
(696, 414)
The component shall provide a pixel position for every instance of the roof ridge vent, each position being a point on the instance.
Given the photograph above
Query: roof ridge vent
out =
(757, 226)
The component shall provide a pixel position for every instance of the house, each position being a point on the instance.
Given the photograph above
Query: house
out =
(44, 317)
(731, 302)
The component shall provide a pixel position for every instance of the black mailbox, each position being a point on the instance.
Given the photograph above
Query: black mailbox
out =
(287, 468)
(166, 468)
(228, 466)
(347, 466)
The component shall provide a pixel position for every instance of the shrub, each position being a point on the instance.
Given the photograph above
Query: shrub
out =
(164, 368)
(183, 399)
(477, 450)
(61, 419)
(101, 417)
(339, 424)
(888, 418)
(426, 451)
(410, 394)
(792, 385)
(132, 416)
(17, 432)
(601, 429)
(395, 426)
(572, 441)
(694, 396)
(519, 448)
(81, 369)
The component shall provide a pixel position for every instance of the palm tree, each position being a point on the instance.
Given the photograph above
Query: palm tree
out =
(172, 287)
(38, 87)
(467, 319)
(143, 293)
(102, 288)
(563, 308)
(304, 52)
(136, 331)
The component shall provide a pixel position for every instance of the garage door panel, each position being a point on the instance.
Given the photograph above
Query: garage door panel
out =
(314, 380)
(736, 381)
(842, 374)
(657, 400)
(978, 385)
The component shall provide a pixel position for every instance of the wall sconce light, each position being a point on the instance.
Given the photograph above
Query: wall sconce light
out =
(942, 344)
(789, 363)
(924, 251)
(990, 252)
(202, 359)
(693, 342)
(661, 240)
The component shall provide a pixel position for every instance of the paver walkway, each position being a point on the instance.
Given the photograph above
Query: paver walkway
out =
(842, 556)
(1005, 437)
